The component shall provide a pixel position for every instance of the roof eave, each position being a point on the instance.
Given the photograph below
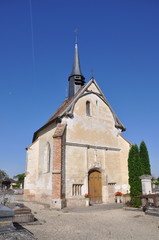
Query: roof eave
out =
(121, 127)
(57, 120)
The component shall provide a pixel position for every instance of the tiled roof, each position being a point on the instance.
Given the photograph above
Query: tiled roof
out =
(58, 113)
(63, 107)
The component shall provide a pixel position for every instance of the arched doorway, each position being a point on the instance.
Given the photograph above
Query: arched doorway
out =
(95, 186)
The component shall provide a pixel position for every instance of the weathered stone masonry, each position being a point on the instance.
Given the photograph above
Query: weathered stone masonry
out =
(57, 164)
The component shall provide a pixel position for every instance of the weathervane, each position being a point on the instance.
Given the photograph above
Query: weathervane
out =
(76, 32)
(92, 71)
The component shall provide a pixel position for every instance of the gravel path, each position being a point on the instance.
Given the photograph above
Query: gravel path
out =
(98, 222)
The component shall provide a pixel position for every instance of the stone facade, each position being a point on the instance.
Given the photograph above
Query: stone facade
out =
(84, 135)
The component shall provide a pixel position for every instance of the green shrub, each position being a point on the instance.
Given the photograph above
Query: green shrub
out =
(134, 167)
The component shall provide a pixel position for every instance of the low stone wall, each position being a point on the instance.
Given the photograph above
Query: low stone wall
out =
(74, 202)
(19, 197)
(126, 199)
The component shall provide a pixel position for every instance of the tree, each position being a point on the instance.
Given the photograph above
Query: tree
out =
(135, 172)
(144, 158)
(3, 175)
(20, 178)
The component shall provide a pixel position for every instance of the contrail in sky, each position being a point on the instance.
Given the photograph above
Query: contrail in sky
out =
(32, 35)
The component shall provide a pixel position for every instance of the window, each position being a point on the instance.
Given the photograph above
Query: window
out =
(47, 158)
(76, 189)
(88, 113)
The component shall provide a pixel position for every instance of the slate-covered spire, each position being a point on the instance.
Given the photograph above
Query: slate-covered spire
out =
(76, 69)
(76, 79)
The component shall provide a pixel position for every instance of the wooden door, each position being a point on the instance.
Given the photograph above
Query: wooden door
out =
(95, 187)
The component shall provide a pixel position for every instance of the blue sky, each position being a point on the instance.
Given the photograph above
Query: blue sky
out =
(119, 40)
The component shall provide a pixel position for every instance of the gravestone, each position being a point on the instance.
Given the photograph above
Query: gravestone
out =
(146, 184)
(22, 213)
(6, 218)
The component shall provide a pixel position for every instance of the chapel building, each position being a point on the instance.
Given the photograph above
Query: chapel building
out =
(80, 149)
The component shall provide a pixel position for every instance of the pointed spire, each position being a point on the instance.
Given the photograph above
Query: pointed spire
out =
(76, 79)
(76, 69)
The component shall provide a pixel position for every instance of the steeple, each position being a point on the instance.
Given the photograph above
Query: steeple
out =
(76, 69)
(76, 79)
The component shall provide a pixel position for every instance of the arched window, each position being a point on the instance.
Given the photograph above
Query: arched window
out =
(88, 111)
(47, 158)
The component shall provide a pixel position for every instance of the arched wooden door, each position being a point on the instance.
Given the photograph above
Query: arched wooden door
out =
(95, 186)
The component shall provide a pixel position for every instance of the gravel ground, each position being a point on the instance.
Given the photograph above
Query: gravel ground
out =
(100, 222)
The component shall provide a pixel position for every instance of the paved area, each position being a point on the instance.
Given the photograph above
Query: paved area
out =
(95, 222)
(93, 208)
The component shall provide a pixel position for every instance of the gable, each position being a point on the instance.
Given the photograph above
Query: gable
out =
(99, 110)
(93, 88)
(95, 128)
(67, 108)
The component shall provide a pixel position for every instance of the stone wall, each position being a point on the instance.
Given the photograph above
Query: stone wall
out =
(91, 141)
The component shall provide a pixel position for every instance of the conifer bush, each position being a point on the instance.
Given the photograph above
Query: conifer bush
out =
(144, 159)
(135, 172)
(138, 165)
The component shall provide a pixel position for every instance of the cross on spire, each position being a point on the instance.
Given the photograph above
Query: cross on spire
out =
(76, 35)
